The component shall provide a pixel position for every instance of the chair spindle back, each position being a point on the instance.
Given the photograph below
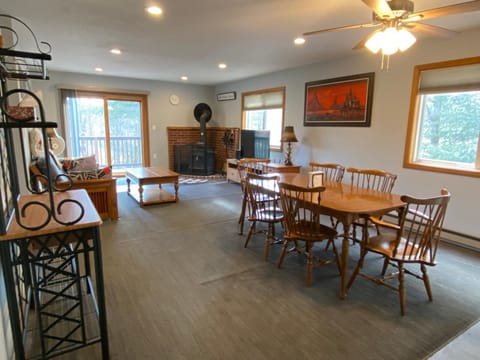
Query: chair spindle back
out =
(261, 192)
(372, 179)
(301, 210)
(333, 172)
(421, 222)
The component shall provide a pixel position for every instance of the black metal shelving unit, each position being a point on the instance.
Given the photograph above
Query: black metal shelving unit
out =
(53, 269)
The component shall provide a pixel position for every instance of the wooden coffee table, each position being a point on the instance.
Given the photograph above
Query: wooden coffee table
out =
(152, 176)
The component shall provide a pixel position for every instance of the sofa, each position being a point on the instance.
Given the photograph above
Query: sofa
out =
(98, 182)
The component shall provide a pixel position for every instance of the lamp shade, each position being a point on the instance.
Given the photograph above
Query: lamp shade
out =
(288, 134)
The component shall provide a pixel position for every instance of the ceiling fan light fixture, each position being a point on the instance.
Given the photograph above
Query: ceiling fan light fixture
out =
(390, 41)
(390, 38)
(375, 43)
(405, 39)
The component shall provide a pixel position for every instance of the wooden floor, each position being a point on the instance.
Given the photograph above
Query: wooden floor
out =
(180, 285)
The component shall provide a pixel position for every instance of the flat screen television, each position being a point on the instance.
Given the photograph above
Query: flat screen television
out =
(254, 144)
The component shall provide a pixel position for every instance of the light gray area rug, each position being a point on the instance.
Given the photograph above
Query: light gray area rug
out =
(180, 285)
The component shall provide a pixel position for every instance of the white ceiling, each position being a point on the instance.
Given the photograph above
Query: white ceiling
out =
(252, 37)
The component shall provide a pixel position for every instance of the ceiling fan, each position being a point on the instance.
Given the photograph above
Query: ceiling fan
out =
(396, 18)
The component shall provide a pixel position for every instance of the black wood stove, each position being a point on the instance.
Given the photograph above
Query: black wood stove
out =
(197, 159)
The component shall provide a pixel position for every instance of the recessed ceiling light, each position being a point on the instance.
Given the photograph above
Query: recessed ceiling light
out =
(222, 66)
(98, 69)
(184, 78)
(116, 51)
(154, 10)
(299, 41)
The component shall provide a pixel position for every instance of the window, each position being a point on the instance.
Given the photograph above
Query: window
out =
(264, 110)
(111, 126)
(444, 120)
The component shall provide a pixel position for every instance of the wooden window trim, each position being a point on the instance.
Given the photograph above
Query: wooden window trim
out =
(412, 126)
(142, 98)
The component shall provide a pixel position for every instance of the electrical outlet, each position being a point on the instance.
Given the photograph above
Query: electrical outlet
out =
(154, 155)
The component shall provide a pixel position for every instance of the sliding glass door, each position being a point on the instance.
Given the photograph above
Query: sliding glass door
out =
(111, 126)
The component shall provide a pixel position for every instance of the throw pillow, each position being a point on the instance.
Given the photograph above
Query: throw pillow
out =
(80, 164)
(103, 173)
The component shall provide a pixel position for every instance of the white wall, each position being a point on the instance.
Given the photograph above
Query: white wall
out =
(378, 146)
(382, 144)
(161, 113)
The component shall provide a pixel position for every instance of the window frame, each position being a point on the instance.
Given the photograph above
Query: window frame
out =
(142, 99)
(280, 89)
(414, 119)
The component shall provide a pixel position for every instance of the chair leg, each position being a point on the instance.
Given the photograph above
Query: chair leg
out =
(337, 258)
(268, 237)
(385, 266)
(401, 287)
(250, 232)
(327, 245)
(241, 219)
(334, 226)
(426, 281)
(354, 233)
(309, 252)
(357, 268)
(282, 254)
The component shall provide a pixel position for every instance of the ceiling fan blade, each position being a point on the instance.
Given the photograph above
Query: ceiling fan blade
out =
(431, 29)
(348, 27)
(380, 7)
(361, 43)
(447, 10)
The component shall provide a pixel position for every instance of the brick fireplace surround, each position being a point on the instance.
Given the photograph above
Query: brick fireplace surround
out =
(180, 135)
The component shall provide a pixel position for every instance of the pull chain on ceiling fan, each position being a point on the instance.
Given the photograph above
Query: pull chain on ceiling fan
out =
(397, 19)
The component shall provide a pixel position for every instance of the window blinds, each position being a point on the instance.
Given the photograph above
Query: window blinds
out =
(264, 101)
(455, 79)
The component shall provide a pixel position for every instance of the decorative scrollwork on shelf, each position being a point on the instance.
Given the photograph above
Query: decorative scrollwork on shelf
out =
(45, 207)
(47, 46)
(22, 65)
(16, 116)
(14, 36)
(23, 214)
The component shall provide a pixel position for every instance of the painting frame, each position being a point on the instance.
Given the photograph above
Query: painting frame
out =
(341, 101)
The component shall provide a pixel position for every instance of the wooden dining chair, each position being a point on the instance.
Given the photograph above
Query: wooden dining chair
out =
(369, 179)
(245, 166)
(264, 202)
(333, 172)
(413, 241)
(301, 211)
(372, 179)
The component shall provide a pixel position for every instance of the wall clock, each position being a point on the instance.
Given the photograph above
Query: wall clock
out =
(174, 99)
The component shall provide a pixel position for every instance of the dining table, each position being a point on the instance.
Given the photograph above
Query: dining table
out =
(346, 203)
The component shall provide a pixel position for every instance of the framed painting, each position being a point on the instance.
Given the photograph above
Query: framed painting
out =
(343, 101)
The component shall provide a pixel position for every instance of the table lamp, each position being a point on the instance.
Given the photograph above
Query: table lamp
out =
(288, 136)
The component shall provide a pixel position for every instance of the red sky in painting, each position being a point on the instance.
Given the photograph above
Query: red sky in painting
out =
(328, 93)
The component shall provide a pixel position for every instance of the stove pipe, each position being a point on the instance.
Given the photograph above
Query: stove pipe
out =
(203, 114)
